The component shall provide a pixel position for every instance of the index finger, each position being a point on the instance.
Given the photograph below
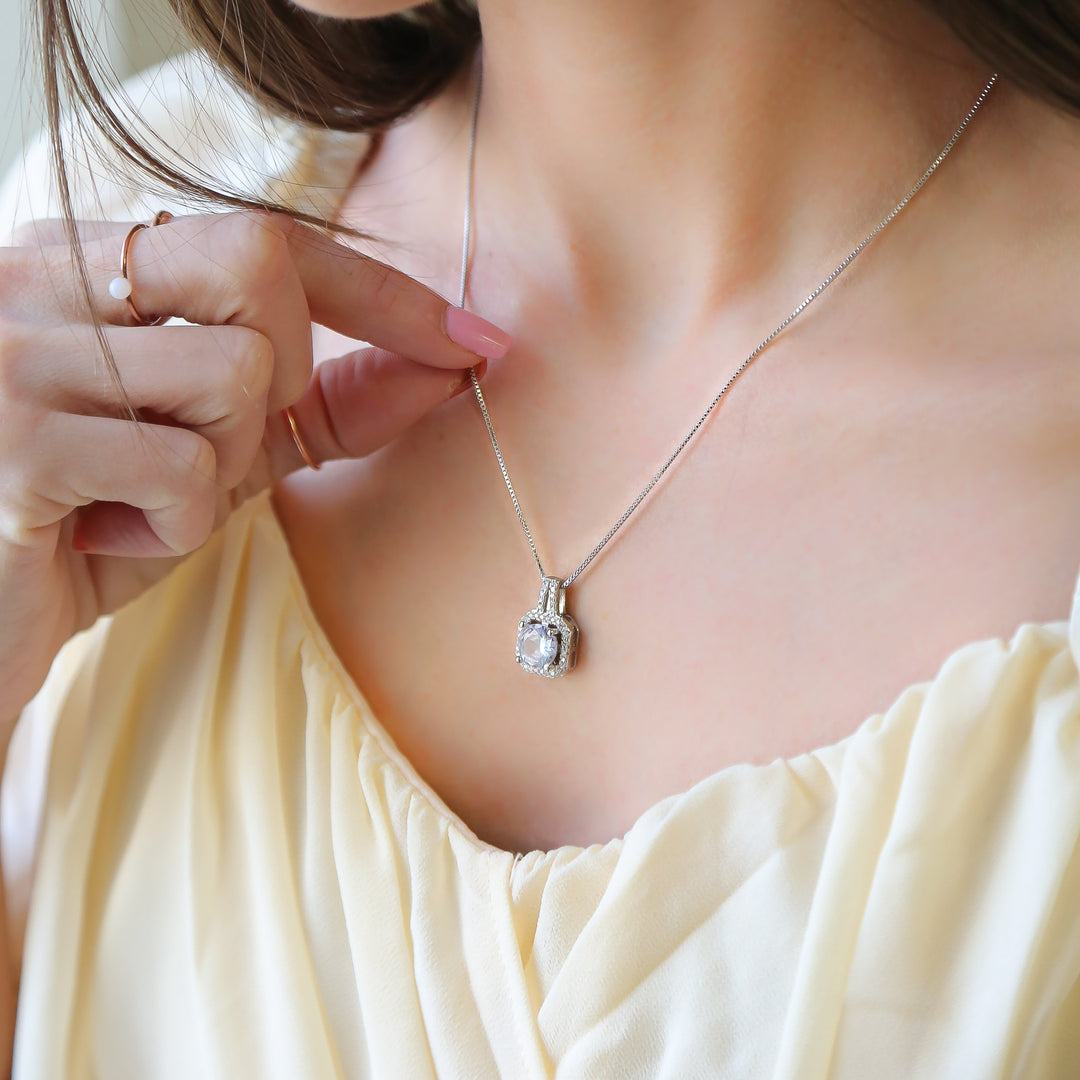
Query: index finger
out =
(223, 268)
(365, 299)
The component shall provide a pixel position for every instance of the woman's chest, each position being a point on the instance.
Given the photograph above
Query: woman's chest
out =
(804, 562)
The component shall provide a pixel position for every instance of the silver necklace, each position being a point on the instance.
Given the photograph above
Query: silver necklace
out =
(548, 637)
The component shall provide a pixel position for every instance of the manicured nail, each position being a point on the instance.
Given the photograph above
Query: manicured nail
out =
(476, 334)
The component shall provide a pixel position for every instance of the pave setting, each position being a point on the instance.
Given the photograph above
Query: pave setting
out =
(547, 638)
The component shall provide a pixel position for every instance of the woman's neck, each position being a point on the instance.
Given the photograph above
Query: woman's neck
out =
(658, 157)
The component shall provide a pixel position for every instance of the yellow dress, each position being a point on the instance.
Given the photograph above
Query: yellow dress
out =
(239, 875)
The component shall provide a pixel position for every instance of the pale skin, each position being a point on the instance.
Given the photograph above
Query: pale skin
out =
(657, 186)
(896, 477)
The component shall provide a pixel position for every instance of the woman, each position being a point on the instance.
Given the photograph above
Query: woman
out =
(305, 815)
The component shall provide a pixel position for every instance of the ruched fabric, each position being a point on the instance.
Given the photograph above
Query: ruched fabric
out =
(240, 876)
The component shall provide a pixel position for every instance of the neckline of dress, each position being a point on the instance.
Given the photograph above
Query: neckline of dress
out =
(877, 726)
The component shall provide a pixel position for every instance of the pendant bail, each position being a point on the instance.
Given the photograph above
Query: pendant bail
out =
(552, 596)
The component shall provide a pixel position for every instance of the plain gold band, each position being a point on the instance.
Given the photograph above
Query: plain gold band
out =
(308, 459)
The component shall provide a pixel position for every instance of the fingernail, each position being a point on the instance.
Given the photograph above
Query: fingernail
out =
(476, 334)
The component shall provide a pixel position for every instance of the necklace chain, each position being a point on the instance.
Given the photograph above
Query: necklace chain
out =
(765, 343)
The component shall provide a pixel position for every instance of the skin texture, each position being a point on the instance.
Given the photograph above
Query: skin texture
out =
(657, 186)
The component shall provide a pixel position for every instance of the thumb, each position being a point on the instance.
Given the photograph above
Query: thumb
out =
(356, 404)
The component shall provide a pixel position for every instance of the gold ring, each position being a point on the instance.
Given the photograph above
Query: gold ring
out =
(120, 287)
(308, 459)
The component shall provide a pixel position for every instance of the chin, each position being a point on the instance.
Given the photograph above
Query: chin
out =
(355, 9)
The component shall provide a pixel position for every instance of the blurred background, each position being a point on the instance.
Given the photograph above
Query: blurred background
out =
(133, 33)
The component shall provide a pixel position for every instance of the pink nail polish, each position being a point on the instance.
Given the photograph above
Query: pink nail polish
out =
(476, 334)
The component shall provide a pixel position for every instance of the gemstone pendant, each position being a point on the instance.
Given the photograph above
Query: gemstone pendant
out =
(547, 639)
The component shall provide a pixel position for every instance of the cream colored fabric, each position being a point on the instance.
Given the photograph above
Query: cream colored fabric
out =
(240, 876)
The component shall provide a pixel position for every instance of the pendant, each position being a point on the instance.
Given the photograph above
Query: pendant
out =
(547, 638)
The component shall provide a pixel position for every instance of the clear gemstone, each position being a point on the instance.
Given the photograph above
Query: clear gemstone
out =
(538, 646)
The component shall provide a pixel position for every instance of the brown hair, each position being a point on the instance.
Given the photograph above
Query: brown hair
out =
(364, 74)
(1034, 44)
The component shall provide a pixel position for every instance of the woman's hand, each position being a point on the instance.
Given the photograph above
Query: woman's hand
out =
(94, 510)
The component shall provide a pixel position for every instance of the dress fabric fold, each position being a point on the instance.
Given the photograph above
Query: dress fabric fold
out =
(240, 874)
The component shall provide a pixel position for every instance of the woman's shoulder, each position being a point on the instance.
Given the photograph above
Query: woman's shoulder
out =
(188, 113)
